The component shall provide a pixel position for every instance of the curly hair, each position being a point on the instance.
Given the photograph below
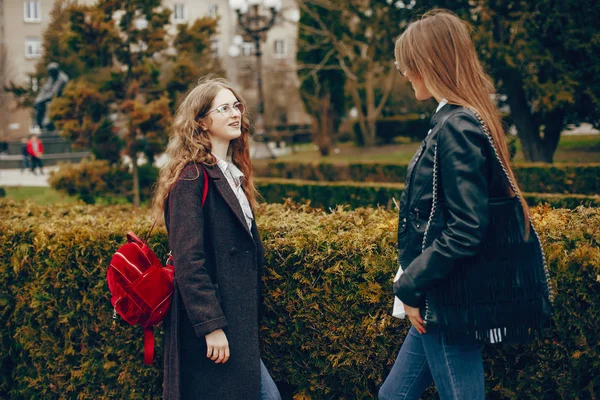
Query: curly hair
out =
(189, 143)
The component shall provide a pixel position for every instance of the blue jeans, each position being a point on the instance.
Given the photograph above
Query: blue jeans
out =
(268, 390)
(456, 369)
(24, 163)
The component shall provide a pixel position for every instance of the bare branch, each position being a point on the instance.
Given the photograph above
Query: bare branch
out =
(346, 70)
(389, 85)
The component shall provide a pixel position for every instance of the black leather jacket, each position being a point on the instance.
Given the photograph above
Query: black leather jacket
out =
(470, 176)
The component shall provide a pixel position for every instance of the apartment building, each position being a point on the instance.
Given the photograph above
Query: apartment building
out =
(22, 23)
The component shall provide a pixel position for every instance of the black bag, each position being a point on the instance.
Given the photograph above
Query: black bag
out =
(501, 294)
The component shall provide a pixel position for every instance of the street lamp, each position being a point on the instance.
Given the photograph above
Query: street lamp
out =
(255, 24)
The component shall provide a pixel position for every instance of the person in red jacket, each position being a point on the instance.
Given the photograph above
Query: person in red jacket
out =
(35, 148)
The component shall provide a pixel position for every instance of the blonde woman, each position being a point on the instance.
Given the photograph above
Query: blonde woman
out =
(460, 193)
(211, 334)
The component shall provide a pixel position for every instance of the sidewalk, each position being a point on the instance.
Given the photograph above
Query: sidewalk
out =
(14, 177)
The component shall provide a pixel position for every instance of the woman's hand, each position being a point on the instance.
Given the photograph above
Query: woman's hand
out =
(415, 318)
(217, 346)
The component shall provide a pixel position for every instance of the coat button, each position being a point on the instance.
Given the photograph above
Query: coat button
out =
(403, 220)
(233, 251)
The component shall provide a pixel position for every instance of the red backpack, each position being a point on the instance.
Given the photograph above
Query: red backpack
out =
(141, 286)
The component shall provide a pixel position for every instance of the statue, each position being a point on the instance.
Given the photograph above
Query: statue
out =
(53, 87)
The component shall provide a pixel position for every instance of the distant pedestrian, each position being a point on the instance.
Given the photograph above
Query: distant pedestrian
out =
(25, 160)
(35, 148)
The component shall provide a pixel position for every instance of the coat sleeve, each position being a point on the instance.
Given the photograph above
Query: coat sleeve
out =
(463, 171)
(186, 241)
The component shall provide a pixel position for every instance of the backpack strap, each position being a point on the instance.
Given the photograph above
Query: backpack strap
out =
(148, 345)
(205, 189)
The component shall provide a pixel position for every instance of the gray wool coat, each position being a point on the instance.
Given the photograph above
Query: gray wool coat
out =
(218, 274)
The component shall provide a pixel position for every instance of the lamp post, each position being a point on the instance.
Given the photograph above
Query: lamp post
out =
(255, 23)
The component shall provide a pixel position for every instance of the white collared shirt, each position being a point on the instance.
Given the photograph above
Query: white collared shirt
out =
(234, 177)
(443, 102)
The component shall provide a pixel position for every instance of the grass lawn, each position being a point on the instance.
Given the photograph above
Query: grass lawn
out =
(39, 195)
(571, 149)
(348, 152)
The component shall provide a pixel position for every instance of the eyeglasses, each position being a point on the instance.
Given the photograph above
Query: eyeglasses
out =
(401, 73)
(226, 110)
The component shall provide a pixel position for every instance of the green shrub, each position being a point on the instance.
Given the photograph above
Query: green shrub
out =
(329, 194)
(94, 179)
(327, 332)
(559, 178)
(354, 194)
(88, 179)
(333, 172)
(535, 178)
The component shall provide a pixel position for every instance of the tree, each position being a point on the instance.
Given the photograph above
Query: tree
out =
(194, 57)
(361, 36)
(128, 74)
(3, 94)
(545, 56)
(321, 82)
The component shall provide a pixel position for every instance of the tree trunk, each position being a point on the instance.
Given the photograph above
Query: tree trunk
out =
(325, 121)
(371, 133)
(136, 181)
(553, 127)
(362, 123)
(535, 147)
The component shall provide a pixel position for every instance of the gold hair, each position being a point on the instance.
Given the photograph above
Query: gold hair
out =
(189, 142)
(438, 47)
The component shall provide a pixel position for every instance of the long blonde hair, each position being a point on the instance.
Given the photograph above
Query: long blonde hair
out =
(190, 143)
(438, 47)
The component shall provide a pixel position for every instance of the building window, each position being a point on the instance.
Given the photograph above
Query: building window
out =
(215, 46)
(179, 12)
(247, 48)
(32, 11)
(33, 47)
(279, 48)
(213, 11)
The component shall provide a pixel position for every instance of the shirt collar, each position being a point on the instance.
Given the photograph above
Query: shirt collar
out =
(443, 109)
(225, 165)
(443, 102)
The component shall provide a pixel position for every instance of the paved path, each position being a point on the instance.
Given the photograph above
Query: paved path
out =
(14, 177)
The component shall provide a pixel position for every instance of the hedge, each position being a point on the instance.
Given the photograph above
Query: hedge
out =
(370, 194)
(535, 178)
(90, 180)
(327, 333)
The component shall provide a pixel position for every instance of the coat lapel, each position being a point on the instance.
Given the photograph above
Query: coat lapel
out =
(216, 175)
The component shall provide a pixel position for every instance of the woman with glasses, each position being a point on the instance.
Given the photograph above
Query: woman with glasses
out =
(206, 195)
